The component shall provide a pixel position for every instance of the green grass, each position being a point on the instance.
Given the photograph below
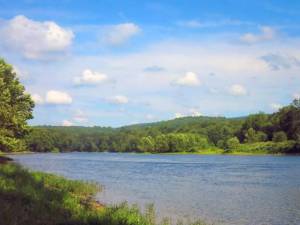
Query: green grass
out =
(269, 147)
(35, 198)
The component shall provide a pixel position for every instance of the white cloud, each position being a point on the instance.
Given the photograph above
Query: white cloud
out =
(119, 99)
(237, 90)
(90, 77)
(34, 39)
(58, 97)
(37, 99)
(67, 123)
(119, 34)
(275, 106)
(189, 79)
(267, 33)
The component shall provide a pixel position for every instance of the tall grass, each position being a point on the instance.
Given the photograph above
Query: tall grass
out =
(35, 198)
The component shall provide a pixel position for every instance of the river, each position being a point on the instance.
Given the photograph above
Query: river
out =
(220, 189)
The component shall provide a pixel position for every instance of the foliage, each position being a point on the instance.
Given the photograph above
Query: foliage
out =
(15, 109)
(190, 134)
(279, 136)
(269, 147)
(232, 143)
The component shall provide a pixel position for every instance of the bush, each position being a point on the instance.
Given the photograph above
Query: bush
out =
(270, 147)
(232, 144)
(279, 136)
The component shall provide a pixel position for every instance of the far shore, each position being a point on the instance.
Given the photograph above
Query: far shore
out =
(163, 153)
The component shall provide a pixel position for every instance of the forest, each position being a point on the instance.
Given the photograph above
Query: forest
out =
(258, 133)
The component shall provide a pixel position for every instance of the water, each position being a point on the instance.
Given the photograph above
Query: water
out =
(220, 189)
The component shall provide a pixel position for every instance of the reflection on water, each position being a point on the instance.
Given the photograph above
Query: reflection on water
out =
(220, 189)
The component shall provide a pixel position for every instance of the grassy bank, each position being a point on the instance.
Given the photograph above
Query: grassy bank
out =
(37, 198)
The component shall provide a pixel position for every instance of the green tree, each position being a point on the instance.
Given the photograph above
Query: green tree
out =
(252, 136)
(232, 143)
(288, 120)
(279, 136)
(146, 144)
(15, 109)
(161, 143)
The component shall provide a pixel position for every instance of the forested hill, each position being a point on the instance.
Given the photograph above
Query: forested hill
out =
(185, 124)
(259, 133)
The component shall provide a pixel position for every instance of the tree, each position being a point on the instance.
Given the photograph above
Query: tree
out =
(257, 123)
(288, 119)
(279, 136)
(15, 109)
(232, 143)
(252, 136)
(146, 144)
(161, 143)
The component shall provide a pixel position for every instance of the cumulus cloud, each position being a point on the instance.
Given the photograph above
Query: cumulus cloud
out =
(90, 77)
(275, 106)
(58, 98)
(38, 100)
(189, 79)
(278, 62)
(266, 33)
(120, 33)
(237, 90)
(118, 99)
(66, 123)
(34, 39)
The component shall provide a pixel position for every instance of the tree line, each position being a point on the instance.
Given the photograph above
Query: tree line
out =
(278, 133)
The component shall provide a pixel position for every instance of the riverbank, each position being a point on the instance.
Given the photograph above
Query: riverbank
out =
(257, 148)
(38, 198)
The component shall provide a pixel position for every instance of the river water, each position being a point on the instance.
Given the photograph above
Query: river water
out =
(221, 189)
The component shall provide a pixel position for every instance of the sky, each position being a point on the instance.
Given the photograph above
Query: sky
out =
(114, 63)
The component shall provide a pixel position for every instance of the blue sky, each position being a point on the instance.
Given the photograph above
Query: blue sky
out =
(112, 63)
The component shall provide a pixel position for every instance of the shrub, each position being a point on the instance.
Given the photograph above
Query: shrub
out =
(279, 136)
(232, 143)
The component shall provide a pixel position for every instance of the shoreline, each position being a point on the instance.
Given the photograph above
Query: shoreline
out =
(162, 153)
